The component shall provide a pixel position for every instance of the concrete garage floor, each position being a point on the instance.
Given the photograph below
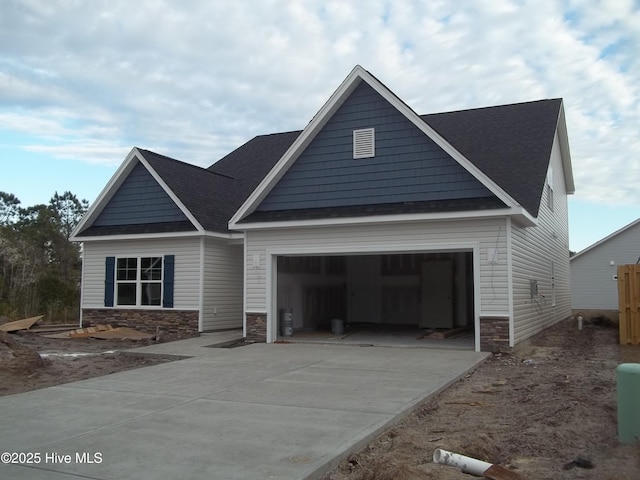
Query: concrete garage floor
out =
(282, 411)
(383, 336)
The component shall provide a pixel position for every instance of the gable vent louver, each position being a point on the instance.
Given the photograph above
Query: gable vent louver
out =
(364, 145)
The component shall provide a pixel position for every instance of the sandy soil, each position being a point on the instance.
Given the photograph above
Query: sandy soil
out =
(29, 361)
(535, 411)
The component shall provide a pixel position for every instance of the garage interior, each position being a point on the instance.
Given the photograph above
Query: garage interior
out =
(407, 297)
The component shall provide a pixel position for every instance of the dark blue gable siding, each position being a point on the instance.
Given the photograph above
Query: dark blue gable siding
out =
(408, 166)
(139, 200)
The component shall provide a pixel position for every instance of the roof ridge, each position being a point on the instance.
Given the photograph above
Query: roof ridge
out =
(183, 163)
(514, 104)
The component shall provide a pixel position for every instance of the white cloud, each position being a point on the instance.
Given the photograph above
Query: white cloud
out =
(195, 79)
(95, 152)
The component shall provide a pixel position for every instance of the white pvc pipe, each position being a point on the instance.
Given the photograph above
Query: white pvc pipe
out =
(466, 464)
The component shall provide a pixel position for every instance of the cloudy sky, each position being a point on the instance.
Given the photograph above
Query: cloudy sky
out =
(82, 82)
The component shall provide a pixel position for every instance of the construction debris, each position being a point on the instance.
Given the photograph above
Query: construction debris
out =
(441, 334)
(79, 332)
(498, 472)
(123, 333)
(58, 327)
(103, 332)
(474, 466)
(24, 324)
(579, 462)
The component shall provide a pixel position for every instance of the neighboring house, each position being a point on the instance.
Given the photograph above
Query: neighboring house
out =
(371, 214)
(594, 286)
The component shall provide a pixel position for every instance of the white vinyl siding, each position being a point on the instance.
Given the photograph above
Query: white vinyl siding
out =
(486, 235)
(222, 304)
(187, 267)
(592, 274)
(537, 252)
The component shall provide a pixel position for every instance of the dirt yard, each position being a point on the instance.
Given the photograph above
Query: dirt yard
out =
(545, 411)
(29, 361)
(539, 411)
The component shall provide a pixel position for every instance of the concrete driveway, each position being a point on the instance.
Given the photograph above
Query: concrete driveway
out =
(290, 411)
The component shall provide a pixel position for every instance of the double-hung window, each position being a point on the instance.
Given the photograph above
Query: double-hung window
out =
(139, 281)
(550, 188)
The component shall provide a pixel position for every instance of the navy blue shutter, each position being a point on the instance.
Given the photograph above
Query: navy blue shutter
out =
(109, 281)
(167, 298)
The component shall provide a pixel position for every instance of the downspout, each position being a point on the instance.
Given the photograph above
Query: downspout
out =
(512, 321)
(82, 279)
(245, 261)
(201, 299)
(477, 297)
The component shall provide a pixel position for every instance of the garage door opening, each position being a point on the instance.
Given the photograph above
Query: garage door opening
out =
(413, 296)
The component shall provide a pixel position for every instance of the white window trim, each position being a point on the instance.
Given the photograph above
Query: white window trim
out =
(138, 283)
(550, 188)
(364, 143)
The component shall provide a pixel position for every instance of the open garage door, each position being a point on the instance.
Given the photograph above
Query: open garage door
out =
(420, 293)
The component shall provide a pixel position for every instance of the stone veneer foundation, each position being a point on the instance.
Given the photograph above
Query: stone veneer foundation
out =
(183, 323)
(494, 334)
(256, 327)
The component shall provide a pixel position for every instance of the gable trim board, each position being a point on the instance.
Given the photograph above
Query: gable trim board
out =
(357, 75)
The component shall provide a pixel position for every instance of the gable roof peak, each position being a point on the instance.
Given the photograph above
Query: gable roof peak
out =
(357, 75)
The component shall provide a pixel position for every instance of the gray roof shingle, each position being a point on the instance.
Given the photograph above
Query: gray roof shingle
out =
(511, 144)
(209, 196)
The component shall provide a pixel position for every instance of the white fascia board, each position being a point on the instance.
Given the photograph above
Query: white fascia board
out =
(231, 237)
(107, 192)
(380, 219)
(524, 218)
(137, 236)
(169, 192)
(563, 136)
(317, 122)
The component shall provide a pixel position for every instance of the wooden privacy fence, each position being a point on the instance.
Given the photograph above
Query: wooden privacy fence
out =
(629, 304)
